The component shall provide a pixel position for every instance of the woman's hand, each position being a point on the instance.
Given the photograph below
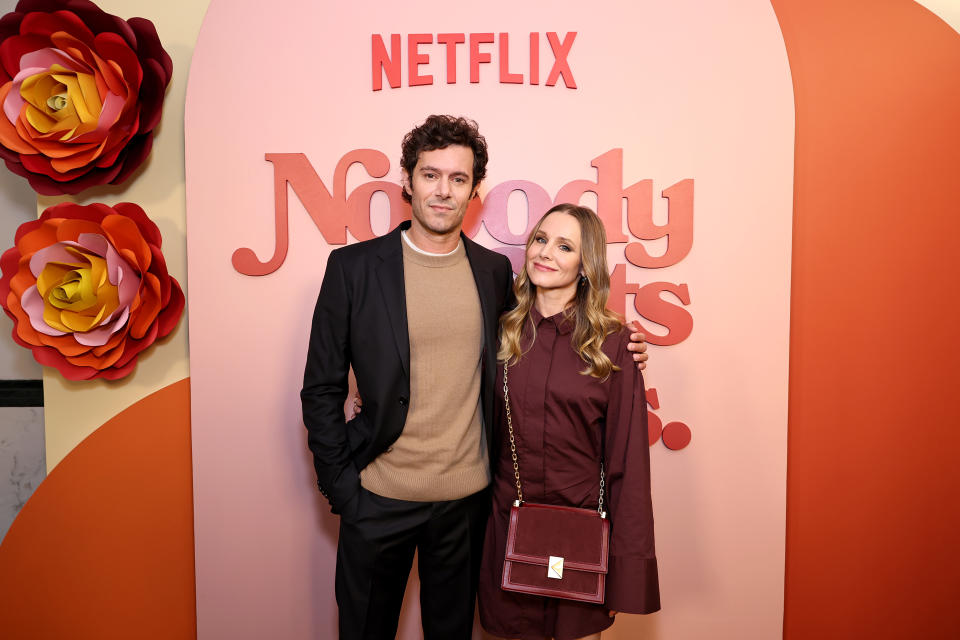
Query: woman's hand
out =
(352, 407)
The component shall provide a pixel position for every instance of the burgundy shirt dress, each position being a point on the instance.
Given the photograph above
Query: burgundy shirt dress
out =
(563, 423)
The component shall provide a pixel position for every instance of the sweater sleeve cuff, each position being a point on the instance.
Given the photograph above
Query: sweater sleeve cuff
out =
(632, 585)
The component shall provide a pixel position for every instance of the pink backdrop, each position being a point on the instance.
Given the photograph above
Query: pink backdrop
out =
(686, 90)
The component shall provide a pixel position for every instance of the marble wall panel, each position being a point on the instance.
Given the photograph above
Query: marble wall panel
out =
(22, 460)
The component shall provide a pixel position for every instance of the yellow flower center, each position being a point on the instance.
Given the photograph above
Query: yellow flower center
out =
(61, 101)
(77, 296)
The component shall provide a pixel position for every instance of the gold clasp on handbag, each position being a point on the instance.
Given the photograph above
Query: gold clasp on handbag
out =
(555, 568)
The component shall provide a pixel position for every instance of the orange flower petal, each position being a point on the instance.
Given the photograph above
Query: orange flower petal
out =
(124, 234)
(150, 300)
(64, 344)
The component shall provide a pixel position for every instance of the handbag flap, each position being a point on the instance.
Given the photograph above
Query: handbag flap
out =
(538, 531)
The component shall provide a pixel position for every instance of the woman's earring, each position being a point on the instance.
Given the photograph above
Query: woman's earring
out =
(583, 279)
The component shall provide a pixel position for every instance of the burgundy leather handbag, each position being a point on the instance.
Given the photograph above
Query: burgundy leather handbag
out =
(554, 551)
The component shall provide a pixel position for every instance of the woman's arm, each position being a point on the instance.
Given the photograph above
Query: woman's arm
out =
(632, 583)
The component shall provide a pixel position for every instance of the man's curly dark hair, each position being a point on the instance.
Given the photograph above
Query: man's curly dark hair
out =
(439, 132)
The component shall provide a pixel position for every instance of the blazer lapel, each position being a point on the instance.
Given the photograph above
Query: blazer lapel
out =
(390, 278)
(486, 289)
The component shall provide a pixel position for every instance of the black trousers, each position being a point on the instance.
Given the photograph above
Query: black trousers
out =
(375, 553)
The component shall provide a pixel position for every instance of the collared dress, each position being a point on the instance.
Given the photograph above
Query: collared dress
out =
(563, 421)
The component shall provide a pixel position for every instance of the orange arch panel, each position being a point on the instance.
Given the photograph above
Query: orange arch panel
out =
(104, 547)
(871, 481)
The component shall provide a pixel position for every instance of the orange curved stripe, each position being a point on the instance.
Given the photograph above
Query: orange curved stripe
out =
(871, 482)
(104, 547)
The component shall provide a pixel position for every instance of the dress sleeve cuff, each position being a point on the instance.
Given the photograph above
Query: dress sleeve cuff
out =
(632, 585)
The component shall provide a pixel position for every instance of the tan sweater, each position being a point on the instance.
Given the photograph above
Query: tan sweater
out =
(441, 453)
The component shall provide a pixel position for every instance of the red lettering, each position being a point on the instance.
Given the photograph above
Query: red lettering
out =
(560, 65)
(619, 290)
(647, 301)
(609, 191)
(675, 319)
(415, 59)
(505, 76)
(678, 230)
(473, 217)
(336, 213)
(330, 213)
(653, 398)
(451, 40)
(382, 63)
(295, 169)
(476, 39)
(675, 435)
(534, 58)
(654, 425)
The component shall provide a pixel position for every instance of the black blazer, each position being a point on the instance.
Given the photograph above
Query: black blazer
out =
(361, 320)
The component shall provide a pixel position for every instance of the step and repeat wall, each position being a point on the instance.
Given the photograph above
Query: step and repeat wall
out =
(675, 121)
(777, 181)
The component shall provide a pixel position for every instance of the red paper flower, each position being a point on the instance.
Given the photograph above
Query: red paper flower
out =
(88, 289)
(81, 92)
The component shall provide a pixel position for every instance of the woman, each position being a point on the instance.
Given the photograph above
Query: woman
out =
(575, 398)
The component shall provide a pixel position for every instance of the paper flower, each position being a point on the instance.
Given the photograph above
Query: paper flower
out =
(81, 92)
(88, 289)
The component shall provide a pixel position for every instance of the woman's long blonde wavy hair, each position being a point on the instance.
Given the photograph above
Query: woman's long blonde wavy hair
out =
(592, 320)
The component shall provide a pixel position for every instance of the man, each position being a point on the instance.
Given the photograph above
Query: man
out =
(415, 313)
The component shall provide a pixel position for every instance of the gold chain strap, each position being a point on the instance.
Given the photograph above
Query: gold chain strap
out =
(513, 444)
(513, 450)
(600, 506)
